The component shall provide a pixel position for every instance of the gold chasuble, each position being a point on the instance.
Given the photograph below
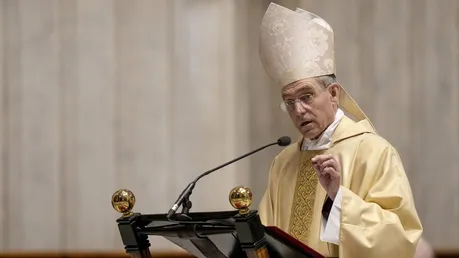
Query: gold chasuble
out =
(378, 216)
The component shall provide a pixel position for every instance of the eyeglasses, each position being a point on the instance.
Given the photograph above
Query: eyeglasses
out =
(304, 100)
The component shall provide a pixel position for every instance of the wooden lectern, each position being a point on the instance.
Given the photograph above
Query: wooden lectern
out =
(227, 234)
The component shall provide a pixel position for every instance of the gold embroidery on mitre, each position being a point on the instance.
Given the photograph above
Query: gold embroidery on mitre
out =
(304, 198)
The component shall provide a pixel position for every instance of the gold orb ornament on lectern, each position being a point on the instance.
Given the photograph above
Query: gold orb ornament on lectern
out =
(123, 201)
(240, 198)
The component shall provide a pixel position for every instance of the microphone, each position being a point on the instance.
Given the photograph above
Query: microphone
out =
(183, 199)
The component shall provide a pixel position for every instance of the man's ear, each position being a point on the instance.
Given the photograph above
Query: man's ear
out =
(334, 90)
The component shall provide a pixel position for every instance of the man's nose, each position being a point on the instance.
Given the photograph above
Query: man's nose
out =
(299, 108)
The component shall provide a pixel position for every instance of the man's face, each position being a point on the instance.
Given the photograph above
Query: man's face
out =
(311, 107)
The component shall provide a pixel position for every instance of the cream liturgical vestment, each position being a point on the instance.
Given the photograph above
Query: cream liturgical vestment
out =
(373, 214)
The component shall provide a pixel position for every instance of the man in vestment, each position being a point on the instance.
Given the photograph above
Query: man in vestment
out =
(341, 189)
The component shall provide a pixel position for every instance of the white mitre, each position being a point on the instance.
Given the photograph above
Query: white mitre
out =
(295, 45)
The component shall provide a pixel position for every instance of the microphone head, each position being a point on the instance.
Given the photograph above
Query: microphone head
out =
(284, 141)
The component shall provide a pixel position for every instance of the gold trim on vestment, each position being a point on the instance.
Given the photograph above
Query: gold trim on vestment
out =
(304, 198)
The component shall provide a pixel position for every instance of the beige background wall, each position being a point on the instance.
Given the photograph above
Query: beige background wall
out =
(98, 95)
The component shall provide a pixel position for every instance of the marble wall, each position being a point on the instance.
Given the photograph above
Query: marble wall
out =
(144, 95)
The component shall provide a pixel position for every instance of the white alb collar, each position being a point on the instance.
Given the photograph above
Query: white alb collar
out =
(325, 139)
